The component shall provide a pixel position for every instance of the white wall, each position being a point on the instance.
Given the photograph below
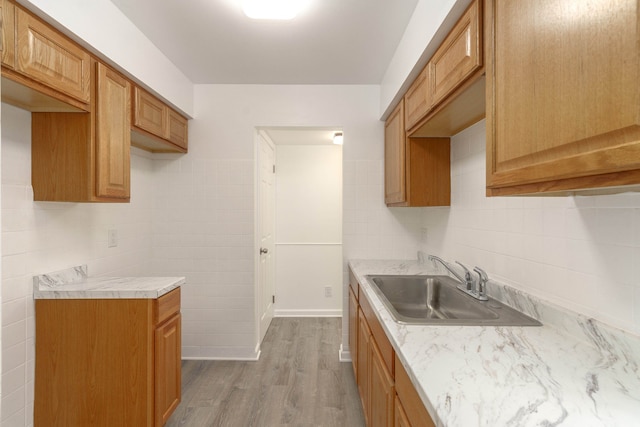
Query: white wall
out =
(579, 252)
(204, 211)
(40, 237)
(308, 230)
(101, 25)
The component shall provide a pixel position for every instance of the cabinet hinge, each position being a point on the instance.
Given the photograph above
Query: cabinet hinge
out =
(274, 168)
(273, 299)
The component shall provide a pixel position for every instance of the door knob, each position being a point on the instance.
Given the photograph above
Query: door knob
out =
(264, 251)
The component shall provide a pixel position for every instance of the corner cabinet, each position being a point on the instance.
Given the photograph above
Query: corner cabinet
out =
(85, 157)
(107, 362)
(562, 95)
(417, 170)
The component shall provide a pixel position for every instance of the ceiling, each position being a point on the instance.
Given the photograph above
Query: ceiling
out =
(331, 42)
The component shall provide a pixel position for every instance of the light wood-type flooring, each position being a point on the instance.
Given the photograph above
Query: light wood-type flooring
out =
(298, 381)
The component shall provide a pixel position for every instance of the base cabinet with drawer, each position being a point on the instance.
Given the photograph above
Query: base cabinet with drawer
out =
(388, 397)
(107, 362)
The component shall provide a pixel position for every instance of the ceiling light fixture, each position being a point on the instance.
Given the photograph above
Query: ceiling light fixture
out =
(273, 9)
(337, 138)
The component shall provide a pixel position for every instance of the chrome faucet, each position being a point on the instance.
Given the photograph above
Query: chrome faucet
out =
(467, 281)
(467, 284)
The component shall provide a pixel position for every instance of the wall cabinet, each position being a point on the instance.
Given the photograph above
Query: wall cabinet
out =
(155, 123)
(137, 343)
(449, 94)
(417, 170)
(8, 33)
(562, 95)
(85, 157)
(387, 399)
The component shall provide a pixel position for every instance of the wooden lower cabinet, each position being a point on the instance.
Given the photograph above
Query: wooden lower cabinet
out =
(388, 396)
(107, 362)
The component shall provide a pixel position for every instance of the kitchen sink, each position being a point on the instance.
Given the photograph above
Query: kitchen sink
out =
(435, 300)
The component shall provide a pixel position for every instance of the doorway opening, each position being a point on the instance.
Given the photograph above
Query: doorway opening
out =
(298, 224)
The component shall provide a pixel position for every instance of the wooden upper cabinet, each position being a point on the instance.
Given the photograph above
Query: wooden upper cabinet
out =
(8, 33)
(417, 170)
(113, 124)
(84, 157)
(458, 56)
(154, 122)
(418, 99)
(394, 157)
(50, 58)
(563, 97)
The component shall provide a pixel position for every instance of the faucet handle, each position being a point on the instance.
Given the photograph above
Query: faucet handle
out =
(482, 281)
(467, 276)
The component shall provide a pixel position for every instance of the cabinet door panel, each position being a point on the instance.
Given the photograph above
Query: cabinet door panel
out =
(399, 415)
(364, 339)
(353, 331)
(112, 134)
(50, 58)
(459, 55)
(167, 369)
(563, 96)
(418, 99)
(178, 129)
(395, 157)
(149, 113)
(382, 391)
(7, 33)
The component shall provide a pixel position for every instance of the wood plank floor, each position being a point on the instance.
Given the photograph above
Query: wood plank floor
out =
(298, 381)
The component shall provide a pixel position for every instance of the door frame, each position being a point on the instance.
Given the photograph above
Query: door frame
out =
(259, 333)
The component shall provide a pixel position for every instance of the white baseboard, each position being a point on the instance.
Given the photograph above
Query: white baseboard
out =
(307, 313)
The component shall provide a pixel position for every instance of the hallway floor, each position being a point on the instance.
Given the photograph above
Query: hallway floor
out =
(298, 381)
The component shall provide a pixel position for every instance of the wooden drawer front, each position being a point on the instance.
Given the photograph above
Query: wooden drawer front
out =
(418, 99)
(414, 409)
(353, 284)
(7, 33)
(149, 113)
(458, 57)
(386, 350)
(178, 129)
(51, 59)
(166, 306)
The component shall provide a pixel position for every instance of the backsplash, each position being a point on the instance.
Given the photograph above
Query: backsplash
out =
(579, 252)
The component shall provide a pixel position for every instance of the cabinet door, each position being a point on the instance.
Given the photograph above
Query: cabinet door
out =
(149, 113)
(414, 410)
(381, 390)
(458, 56)
(50, 58)
(353, 331)
(167, 369)
(418, 99)
(364, 338)
(113, 130)
(7, 33)
(562, 95)
(399, 415)
(394, 157)
(178, 129)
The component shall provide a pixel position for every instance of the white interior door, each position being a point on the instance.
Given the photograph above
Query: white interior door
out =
(266, 223)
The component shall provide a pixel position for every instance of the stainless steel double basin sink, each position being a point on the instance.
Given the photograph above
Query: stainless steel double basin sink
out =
(434, 300)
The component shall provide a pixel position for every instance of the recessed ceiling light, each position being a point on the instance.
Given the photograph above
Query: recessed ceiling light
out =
(273, 9)
(337, 138)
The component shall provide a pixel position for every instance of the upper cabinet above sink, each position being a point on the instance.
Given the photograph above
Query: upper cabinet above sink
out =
(563, 95)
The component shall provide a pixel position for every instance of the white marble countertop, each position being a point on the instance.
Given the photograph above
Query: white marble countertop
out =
(74, 283)
(573, 371)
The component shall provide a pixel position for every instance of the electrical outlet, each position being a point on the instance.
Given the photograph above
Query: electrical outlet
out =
(423, 234)
(328, 291)
(112, 240)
